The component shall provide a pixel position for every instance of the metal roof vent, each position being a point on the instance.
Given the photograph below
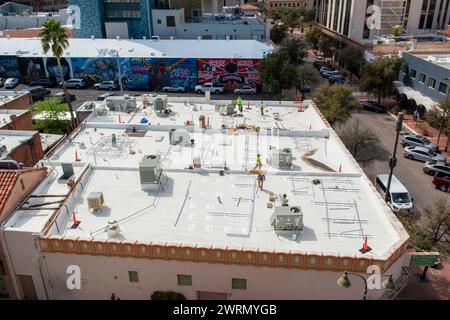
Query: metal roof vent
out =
(113, 229)
(93, 37)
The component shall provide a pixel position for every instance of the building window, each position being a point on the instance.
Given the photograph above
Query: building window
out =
(240, 284)
(170, 20)
(431, 83)
(413, 74)
(158, 21)
(443, 88)
(133, 276)
(184, 279)
(422, 77)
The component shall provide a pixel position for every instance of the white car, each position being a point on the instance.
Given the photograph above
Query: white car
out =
(245, 90)
(422, 154)
(209, 87)
(11, 83)
(174, 88)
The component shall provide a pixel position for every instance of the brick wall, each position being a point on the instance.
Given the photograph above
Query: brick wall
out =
(21, 122)
(30, 152)
(22, 102)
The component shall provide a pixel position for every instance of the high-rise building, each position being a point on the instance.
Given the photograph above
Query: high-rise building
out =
(364, 20)
(112, 18)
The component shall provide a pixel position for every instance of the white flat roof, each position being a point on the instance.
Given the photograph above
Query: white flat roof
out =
(203, 207)
(14, 138)
(7, 96)
(5, 115)
(85, 48)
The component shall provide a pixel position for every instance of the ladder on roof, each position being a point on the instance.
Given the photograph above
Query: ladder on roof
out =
(251, 151)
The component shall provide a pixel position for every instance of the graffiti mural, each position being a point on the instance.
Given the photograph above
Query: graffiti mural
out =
(31, 69)
(9, 67)
(95, 70)
(53, 71)
(153, 74)
(231, 73)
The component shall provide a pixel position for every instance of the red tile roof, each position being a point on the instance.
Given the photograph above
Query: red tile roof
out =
(8, 179)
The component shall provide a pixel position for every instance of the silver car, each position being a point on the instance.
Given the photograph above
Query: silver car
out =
(433, 167)
(174, 88)
(106, 85)
(245, 90)
(413, 140)
(11, 83)
(422, 154)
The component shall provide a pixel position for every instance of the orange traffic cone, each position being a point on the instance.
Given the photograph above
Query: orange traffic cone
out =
(340, 168)
(76, 156)
(76, 223)
(365, 247)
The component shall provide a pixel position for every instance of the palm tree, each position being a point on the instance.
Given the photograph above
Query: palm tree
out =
(54, 38)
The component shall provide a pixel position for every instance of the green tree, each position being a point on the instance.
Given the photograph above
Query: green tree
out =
(335, 102)
(278, 33)
(326, 45)
(306, 74)
(51, 114)
(379, 75)
(278, 14)
(313, 37)
(277, 73)
(430, 231)
(54, 39)
(295, 49)
(292, 18)
(350, 58)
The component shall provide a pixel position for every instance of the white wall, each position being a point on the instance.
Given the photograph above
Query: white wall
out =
(24, 22)
(102, 276)
(162, 29)
(115, 29)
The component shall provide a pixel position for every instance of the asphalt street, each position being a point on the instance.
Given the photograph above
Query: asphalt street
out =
(409, 172)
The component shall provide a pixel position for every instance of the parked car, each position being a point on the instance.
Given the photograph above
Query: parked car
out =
(217, 89)
(442, 181)
(245, 90)
(399, 197)
(372, 106)
(45, 82)
(414, 140)
(62, 97)
(326, 69)
(422, 154)
(330, 74)
(105, 95)
(336, 80)
(106, 85)
(2, 82)
(174, 88)
(75, 84)
(319, 61)
(11, 83)
(433, 167)
(38, 92)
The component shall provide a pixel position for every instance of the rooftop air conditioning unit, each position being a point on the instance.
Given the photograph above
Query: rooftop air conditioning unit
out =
(160, 103)
(95, 201)
(179, 137)
(287, 219)
(150, 172)
(281, 158)
(121, 103)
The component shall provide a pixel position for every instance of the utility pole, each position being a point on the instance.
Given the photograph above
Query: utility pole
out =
(393, 160)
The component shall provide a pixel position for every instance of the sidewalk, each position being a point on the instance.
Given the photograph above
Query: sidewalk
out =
(436, 287)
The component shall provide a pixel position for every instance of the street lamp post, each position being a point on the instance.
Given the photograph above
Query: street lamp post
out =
(393, 160)
(344, 282)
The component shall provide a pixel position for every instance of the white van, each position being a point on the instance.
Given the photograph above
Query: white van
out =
(400, 200)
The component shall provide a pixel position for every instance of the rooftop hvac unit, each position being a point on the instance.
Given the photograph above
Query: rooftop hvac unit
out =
(112, 229)
(281, 158)
(227, 110)
(179, 137)
(287, 219)
(150, 171)
(95, 201)
(121, 103)
(160, 103)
